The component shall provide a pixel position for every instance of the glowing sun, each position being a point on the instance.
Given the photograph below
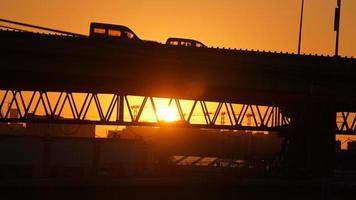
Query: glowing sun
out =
(167, 114)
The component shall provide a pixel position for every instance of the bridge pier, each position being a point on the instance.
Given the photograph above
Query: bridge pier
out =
(310, 142)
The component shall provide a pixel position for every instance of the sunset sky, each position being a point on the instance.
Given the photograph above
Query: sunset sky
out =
(253, 24)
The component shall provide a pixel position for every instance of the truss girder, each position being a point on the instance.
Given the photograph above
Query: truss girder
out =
(346, 122)
(119, 109)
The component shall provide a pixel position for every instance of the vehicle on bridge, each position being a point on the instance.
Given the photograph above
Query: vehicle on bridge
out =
(112, 32)
(184, 42)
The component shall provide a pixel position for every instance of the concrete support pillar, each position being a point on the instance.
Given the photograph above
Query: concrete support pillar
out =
(311, 148)
(46, 162)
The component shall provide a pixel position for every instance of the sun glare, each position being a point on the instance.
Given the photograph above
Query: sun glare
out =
(167, 114)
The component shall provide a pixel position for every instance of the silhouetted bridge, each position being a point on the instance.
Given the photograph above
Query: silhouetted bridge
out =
(298, 95)
(263, 86)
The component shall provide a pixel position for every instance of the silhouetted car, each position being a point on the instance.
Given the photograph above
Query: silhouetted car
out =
(184, 42)
(111, 31)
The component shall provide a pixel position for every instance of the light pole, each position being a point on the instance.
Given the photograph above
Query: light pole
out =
(337, 26)
(300, 27)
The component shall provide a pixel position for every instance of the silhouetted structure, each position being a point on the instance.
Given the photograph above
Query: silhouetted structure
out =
(306, 89)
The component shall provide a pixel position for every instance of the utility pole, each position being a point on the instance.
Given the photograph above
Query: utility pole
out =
(135, 110)
(300, 27)
(222, 119)
(337, 26)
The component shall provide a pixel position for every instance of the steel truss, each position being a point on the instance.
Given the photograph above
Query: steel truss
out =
(346, 123)
(120, 109)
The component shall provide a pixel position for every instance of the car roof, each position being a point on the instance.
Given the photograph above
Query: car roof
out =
(183, 39)
(114, 26)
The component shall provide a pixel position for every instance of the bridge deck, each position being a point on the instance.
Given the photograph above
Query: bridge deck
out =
(63, 63)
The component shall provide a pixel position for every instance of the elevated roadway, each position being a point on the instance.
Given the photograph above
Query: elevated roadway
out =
(81, 64)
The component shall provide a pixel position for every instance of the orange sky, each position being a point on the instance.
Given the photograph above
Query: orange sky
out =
(252, 24)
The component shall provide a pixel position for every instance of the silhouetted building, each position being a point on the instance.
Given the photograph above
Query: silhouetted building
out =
(44, 129)
(351, 146)
(35, 156)
(338, 145)
(204, 142)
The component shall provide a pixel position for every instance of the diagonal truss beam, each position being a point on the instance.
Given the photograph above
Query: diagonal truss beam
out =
(346, 123)
(120, 109)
